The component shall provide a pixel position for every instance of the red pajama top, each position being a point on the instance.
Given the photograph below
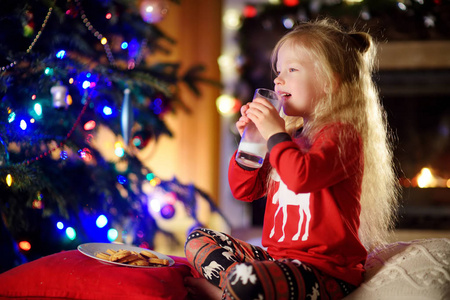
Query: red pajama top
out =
(312, 210)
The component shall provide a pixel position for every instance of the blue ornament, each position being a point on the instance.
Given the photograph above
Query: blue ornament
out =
(127, 119)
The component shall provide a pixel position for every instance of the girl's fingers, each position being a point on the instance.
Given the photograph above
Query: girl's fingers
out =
(263, 101)
(244, 108)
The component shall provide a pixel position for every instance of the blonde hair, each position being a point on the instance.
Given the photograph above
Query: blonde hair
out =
(344, 63)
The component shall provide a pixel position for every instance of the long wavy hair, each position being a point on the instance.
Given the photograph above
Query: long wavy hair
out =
(345, 62)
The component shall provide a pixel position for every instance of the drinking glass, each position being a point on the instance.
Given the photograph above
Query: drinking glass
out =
(253, 147)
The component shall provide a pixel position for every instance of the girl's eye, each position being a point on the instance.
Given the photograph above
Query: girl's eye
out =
(292, 70)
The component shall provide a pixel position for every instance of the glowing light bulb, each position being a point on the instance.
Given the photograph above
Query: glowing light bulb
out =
(71, 233)
(23, 125)
(86, 84)
(25, 245)
(61, 54)
(107, 111)
(119, 152)
(60, 225)
(11, 117)
(112, 234)
(89, 125)
(121, 179)
(9, 179)
(48, 71)
(101, 221)
(69, 99)
(38, 109)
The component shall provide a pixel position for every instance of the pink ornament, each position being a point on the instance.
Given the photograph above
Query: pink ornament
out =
(153, 11)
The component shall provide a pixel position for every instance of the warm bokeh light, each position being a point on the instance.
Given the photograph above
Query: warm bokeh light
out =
(37, 204)
(353, 1)
(232, 19)
(291, 2)
(25, 245)
(425, 178)
(227, 105)
(250, 11)
(69, 100)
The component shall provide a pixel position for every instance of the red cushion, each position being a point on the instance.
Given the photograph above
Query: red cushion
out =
(70, 274)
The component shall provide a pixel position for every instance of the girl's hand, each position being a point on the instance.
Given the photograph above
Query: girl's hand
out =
(243, 120)
(266, 118)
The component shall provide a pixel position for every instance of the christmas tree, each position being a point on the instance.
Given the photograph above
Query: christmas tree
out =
(69, 69)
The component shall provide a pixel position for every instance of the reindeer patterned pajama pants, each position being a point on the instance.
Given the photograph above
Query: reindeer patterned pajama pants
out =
(247, 272)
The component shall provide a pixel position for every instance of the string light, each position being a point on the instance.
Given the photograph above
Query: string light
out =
(96, 33)
(69, 134)
(36, 38)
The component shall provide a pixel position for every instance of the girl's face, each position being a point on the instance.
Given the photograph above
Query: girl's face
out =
(297, 81)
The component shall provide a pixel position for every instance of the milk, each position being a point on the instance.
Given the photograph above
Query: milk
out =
(251, 154)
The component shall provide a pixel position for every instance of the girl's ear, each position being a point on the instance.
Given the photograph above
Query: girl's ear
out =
(335, 83)
(330, 88)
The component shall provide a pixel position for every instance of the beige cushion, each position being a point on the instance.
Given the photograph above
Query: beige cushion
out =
(413, 270)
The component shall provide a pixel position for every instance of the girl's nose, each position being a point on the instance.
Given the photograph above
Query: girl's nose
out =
(278, 80)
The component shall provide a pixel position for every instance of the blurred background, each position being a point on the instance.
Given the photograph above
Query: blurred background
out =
(117, 117)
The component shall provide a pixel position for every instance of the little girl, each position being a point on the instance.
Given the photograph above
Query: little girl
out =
(329, 179)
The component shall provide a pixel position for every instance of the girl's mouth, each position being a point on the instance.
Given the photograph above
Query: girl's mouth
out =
(284, 96)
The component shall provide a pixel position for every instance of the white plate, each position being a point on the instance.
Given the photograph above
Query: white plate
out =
(91, 249)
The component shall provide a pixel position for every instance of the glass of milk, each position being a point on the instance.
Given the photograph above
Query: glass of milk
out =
(253, 147)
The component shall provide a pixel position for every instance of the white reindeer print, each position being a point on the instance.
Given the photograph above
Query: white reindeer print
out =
(286, 197)
(315, 292)
(244, 273)
(229, 256)
(212, 270)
